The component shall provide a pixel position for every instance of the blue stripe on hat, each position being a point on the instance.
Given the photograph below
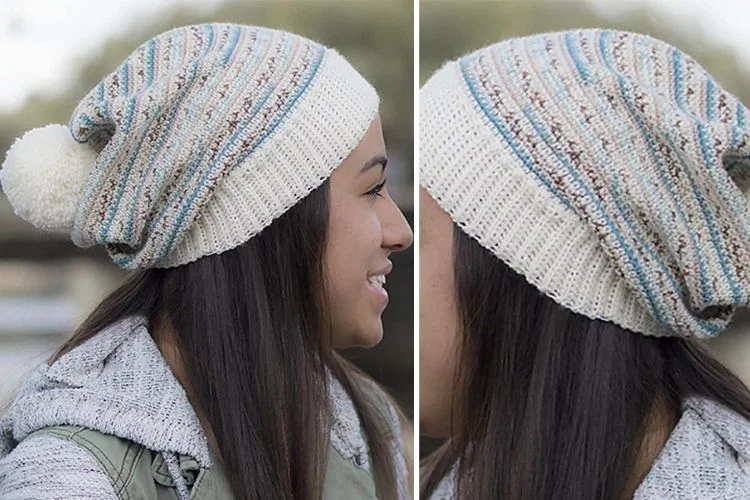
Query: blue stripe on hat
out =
(229, 50)
(267, 132)
(517, 149)
(706, 291)
(705, 324)
(604, 162)
(167, 130)
(710, 160)
(112, 210)
(114, 207)
(263, 40)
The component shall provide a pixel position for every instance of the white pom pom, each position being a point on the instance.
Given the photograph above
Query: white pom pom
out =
(44, 176)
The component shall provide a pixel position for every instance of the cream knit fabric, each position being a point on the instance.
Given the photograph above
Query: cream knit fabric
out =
(606, 167)
(203, 136)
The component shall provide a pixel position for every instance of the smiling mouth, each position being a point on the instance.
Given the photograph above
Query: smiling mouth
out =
(378, 280)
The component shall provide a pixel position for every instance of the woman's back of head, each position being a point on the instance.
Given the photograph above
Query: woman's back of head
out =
(551, 404)
(595, 183)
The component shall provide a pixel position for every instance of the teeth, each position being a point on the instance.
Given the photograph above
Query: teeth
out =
(378, 280)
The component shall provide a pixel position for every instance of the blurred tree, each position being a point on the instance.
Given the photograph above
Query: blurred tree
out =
(375, 36)
(449, 29)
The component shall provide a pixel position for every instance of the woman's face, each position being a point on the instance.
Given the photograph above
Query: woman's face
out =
(438, 319)
(365, 226)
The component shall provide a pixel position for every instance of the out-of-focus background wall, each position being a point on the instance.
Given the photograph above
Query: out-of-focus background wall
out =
(715, 33)
(53, 51)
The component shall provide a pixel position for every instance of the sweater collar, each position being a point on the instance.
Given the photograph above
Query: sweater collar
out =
(709, 438)
(116, 382)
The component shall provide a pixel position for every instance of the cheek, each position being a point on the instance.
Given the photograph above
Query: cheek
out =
(349, 260)
(437, 338)
(353, 245)
(352, 253)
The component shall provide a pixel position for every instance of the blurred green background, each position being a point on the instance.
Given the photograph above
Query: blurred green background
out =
(451, 28)
(47, 285)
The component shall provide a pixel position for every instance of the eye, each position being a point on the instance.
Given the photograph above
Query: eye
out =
(377, 189)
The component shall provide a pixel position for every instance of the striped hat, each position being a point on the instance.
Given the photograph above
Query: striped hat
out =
(196, 142)
(606, 167)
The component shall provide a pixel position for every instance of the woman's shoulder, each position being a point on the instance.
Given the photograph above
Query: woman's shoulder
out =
(706, 456)
(349, 440)
(66, 461)
(400, 435)
(348, 436)
(46, 466)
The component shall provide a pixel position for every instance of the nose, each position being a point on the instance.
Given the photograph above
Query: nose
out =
(397, 235)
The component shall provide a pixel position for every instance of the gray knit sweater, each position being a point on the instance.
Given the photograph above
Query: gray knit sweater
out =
(707, 457)
(118, 383)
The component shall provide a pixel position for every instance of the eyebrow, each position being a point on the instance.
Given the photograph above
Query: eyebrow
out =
(375, 160)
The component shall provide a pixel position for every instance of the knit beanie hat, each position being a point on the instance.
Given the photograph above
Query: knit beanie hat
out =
(608, 168)
(200, 139)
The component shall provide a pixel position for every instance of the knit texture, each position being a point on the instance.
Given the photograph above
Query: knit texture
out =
(707, 457)
(204, 135)
(119, 384)
(350, 442)
(50, 468)
(606, 167)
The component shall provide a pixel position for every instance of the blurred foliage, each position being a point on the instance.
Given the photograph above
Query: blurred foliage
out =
(449, 29)
(375, 36)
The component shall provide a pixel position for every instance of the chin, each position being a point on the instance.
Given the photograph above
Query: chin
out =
(369, 338)
(372, 341)
(363, 336)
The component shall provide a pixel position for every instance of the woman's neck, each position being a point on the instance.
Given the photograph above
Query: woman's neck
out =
(165, 337)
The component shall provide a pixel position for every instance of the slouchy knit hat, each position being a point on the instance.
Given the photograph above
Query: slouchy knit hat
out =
(196, 142)
(608, 168)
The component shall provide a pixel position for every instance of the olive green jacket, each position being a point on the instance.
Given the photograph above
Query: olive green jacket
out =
(108, 420)
(136, 472)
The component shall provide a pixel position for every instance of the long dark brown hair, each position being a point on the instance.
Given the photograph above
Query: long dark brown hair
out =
(550, 403)
(253, 337)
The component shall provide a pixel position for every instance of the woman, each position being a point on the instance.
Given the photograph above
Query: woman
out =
(239, 172)
(583, 227)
